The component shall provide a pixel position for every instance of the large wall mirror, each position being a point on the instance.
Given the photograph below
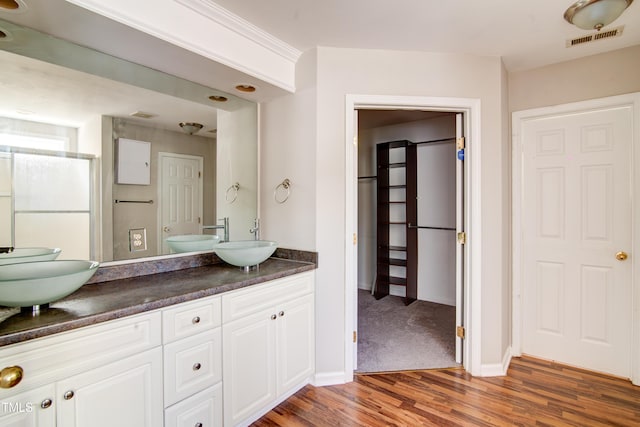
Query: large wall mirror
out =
(93, 159)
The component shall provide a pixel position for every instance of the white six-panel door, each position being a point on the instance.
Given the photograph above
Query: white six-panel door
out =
(575, 207)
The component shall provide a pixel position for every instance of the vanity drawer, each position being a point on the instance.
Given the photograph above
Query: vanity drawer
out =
(191, 365)
(48, 359)
(244, 302)
(202, 409)
(190, 318)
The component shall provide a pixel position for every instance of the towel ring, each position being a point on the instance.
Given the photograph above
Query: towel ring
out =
(286, 185)
(235, 187)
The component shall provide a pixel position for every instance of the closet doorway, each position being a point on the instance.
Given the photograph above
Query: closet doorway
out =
(410, 210)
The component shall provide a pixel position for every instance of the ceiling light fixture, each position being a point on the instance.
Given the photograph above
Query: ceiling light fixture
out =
(246, 88)
(190, 128)
(218, 98)
(595, 14)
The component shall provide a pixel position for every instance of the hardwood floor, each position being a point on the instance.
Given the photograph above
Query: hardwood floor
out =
(534, 393)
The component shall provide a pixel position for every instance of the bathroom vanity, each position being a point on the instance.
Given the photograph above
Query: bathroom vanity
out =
(205, 346)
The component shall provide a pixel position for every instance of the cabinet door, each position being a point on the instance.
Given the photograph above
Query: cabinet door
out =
(29, 409)
(125, 393)
(295, 343)
(248, 377)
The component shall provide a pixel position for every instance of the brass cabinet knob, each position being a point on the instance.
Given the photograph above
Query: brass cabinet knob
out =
(273, 317)
(621, 256)
(197, 366)
(68, 395)
(46, 403)
(10, 376)
(281, 314)
(198, 425)
(195, 320)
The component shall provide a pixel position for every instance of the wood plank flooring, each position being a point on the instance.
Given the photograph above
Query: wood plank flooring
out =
(534, 393)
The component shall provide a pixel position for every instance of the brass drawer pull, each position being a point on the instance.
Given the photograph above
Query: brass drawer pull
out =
(281, 314)
(197, 366)
(195, 320)
(10, 376)
(46, 403)
(68, 395)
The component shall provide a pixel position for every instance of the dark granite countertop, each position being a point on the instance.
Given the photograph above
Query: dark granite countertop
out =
(100, 302)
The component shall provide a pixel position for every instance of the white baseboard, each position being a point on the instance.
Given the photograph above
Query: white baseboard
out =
(497, 369)
(328, 378)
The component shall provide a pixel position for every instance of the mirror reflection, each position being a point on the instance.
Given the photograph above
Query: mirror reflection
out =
(93, 159)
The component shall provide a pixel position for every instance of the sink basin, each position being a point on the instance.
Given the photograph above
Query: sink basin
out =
(41, 282)
(193, 242)
(245, 253)
(29, 254)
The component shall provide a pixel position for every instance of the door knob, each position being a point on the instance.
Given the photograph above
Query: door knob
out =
(166, 229)
(10, 376)
(621, 256)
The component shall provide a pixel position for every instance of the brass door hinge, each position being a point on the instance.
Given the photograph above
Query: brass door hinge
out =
(355, 336)
(460, 331)
(462, 238)
(355, 239)
(460, 143)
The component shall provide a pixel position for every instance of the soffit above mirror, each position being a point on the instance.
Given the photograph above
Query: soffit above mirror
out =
(66, 21)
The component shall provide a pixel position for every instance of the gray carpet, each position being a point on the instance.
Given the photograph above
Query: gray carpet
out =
(395, 337)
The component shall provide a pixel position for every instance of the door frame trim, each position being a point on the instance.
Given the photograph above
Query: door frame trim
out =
(472, 361)
(518, 117)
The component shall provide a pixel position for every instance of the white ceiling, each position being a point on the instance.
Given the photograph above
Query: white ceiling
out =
(526, 34)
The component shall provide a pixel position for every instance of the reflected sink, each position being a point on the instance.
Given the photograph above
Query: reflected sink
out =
(29, 254)
(245, 253)
(193, 242)
(41, 282)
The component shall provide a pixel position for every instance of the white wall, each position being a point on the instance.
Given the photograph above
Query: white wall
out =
(355, 71)
(288, 150)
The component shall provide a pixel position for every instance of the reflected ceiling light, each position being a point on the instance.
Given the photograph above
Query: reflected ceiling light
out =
(190, 128)
(218, 98)
(246, 88)
(9, 4)
(595, 14)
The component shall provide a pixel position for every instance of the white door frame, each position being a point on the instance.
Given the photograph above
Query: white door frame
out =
(518, 118)
(473, 264)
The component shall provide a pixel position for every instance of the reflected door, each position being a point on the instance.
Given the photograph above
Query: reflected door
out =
(576, 218)
(180, 196)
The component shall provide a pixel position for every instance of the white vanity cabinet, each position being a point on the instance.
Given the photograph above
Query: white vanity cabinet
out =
(268, 345)
(104, 375)
(192, 339)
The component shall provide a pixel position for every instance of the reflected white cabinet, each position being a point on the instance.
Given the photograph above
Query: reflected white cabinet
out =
(268, 346)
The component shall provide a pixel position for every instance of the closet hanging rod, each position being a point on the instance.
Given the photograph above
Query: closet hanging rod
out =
(430, 228)
(433, 141)
(134, 201)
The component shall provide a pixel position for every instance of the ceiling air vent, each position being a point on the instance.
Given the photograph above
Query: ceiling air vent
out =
(614, 32)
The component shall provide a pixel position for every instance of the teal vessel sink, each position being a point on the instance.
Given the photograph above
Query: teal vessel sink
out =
(245, 253)
(41, 282)
(193, 242)
(29, 254)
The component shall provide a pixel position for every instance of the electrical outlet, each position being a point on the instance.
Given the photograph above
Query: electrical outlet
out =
(137, 239)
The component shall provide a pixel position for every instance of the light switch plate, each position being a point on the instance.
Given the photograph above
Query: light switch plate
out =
(137, 239)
